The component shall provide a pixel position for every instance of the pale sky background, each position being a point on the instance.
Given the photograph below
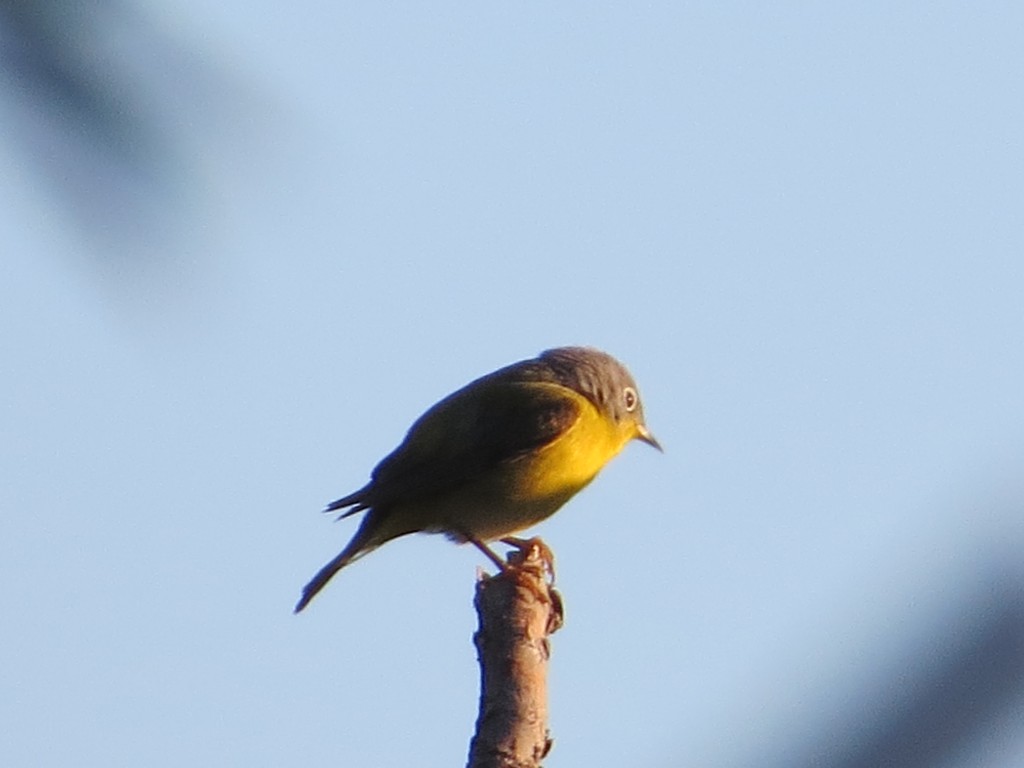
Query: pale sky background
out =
(231, 283)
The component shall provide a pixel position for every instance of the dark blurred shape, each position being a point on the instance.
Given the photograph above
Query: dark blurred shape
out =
(962, 682)
(118, 120)
(83, 121)
(53, 53)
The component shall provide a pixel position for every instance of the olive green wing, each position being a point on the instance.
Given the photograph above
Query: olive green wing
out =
(469, 433)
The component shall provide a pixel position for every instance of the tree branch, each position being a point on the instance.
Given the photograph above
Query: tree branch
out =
(518, 609)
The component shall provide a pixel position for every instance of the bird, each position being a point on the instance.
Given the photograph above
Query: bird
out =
(497, 456)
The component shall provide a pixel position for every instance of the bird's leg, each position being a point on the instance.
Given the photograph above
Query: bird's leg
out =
(547, 557)
(502, 565)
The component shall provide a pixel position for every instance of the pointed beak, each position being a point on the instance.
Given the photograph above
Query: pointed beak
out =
(644, 434)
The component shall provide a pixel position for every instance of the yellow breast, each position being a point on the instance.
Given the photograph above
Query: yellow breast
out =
(569, 463)
(532, 487)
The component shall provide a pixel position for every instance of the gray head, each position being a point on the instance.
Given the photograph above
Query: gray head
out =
(605, 382)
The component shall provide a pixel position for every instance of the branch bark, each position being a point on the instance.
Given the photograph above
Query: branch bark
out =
(517, 609)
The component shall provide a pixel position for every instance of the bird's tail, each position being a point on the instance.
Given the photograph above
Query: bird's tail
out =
(366, 540)
(356, 500)
(324, 575)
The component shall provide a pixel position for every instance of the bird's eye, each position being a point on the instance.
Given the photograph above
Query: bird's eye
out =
(630, 398)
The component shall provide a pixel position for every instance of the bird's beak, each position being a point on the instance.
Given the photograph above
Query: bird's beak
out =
(644, 434)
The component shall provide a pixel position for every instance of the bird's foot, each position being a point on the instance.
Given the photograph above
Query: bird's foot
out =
(524, 555)
(531, 564)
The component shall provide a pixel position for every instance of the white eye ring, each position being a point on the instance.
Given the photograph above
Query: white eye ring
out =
(630, 398)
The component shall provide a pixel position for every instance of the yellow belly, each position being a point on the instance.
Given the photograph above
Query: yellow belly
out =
(528, 489)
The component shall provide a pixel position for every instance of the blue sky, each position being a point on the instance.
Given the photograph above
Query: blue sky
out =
(800, 227)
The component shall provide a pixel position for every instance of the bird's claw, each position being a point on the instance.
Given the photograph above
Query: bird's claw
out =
(525, 556)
